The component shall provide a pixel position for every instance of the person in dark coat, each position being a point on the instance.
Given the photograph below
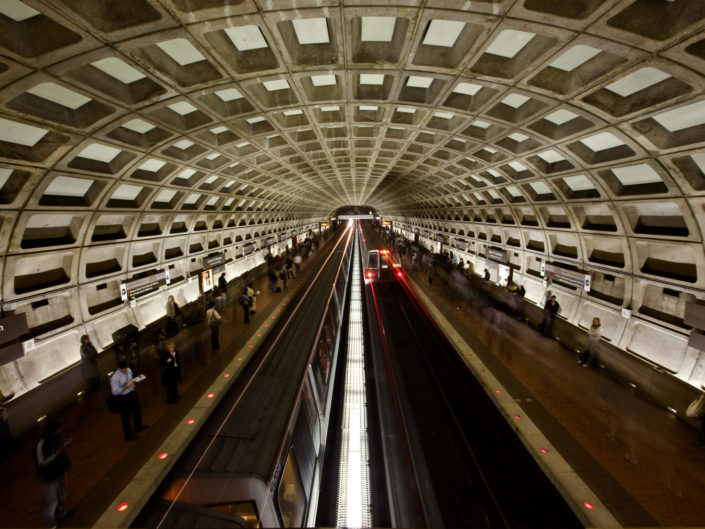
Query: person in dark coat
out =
(52, 463)
(89, 363)
(550, 310)
(223, 285)
(170, 362)
(246, 302)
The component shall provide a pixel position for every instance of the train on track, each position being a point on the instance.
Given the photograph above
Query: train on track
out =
(257, 461)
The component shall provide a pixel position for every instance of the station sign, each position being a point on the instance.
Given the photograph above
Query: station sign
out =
(283, 237)
(497, 255)
(440, 237)
(143, 286)
(213, 261)
(270, 241)
(386, 223)
(461, 244)
(248, 248)
(560, 275)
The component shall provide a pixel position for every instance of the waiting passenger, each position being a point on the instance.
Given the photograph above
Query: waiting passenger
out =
(52, 463)
(173, 312)
(272, 276)
(170, 363)
(253, 297)
(297, 263)
(594, 334)
(214, 320)
(122, 385)
(246, 302)
(550, 310)
(89, 363)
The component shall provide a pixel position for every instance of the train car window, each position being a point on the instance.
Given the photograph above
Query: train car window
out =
(321, 365)
(311, 408)
(291, 495)
(247, 510)
(372, 260)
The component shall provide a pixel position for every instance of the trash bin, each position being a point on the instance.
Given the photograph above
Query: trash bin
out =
(126, 343)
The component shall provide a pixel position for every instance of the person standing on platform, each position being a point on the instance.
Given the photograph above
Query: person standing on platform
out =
(272, 276)
(214, 320)
(8, 445)
(223, 285)
(123, 386)
(550, 311)
(89, 363)
(52, 463)
(246, 302)
(253, 297)
(290, 268)
(173, 312)
(297, 263)
(170, 362)
(283, 274)
(594, 334)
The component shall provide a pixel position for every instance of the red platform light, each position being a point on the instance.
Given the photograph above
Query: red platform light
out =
(249, 345)
(121, 507)
(517, 416)
(191, 421)
(259, 334)
(543, 451)
(498, 391)
(211, 395)
(163, 455)
(239, 359)
(227, 375)
(589, 505)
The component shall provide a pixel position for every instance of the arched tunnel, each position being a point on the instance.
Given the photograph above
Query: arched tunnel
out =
(143, 136)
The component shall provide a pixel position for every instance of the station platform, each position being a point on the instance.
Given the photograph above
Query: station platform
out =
(103, 463)
(636, 457)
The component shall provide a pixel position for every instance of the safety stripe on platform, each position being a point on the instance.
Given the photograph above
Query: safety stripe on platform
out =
(131, 500)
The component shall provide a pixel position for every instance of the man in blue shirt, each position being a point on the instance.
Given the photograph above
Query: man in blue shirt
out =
(123, 386)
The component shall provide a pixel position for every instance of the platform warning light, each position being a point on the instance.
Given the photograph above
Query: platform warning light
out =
(121, 507)
(191, 421)
(163, 455)
(589, 505)
(211, 395)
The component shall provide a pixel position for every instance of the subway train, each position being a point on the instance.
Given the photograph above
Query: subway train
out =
(257, 461)
(381, 267)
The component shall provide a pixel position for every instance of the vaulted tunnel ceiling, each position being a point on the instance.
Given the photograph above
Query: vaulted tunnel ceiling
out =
(582, 118)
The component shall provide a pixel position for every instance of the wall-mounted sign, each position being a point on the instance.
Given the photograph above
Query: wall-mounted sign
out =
(248, 248)
(207, 280)
(386, 223)
(283, 237)
(142, 286)
(13, 327)
(564, 276)
(495, 254)
(440, 237)
(270, 241)
(324, 224)
(212, 261)
(460, 244)
(294, 233)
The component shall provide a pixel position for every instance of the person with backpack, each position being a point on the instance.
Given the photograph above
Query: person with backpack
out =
(214, 320)
(283, 275)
